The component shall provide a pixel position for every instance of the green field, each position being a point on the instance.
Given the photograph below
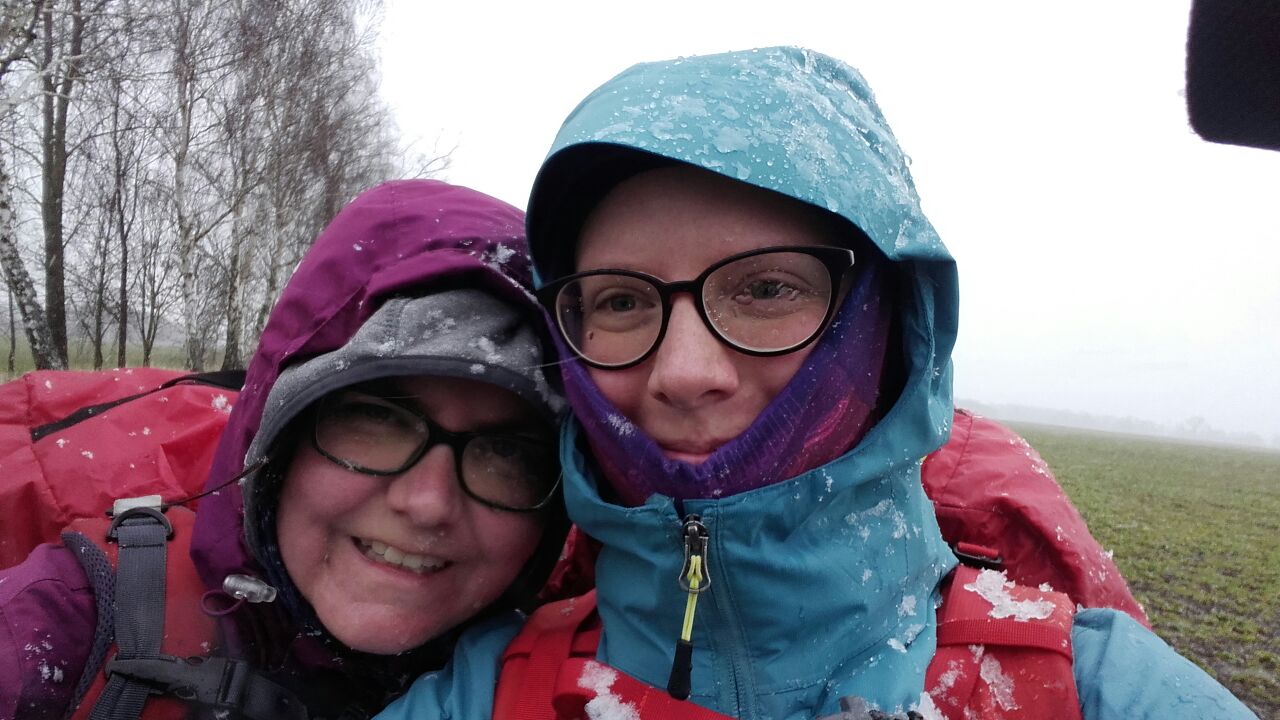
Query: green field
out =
(1196, 532)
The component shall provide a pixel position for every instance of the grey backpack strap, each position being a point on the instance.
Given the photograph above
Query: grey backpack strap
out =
(131, 613)
(143, 534)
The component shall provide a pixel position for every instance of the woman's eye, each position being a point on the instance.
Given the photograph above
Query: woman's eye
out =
(767, 290)
(372, 413)
(618, 303)
(502, 447)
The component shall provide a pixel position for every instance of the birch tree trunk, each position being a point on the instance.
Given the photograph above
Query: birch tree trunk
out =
(16, 276)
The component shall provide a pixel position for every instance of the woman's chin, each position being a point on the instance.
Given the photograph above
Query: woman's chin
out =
(378, 633)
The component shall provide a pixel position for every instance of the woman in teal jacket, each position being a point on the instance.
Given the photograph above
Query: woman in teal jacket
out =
(768, 418)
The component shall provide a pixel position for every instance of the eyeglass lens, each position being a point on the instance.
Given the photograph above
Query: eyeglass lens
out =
(767, 302)
(372, 434)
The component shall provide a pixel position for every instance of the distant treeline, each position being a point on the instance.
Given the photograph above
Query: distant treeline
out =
(1194, 428)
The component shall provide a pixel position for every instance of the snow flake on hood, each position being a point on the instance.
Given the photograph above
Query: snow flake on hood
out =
(994, 587)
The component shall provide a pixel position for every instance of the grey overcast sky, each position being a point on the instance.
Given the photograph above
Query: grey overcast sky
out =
(1111, 262)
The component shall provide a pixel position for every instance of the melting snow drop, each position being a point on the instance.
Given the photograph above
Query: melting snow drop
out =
(489, 349)
(48, 385)
(62, 442)
(907, 606)
(476, 369)
(86, 453)
(927, 709)
(357, 247)
(605, 705)
(221, 404)
(50, 672)
(993, 587)
(1001, 684)
(502, 254)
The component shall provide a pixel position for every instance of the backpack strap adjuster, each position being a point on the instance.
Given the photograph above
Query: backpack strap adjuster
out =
(978, 556)
(113, 533)
(220, 683)
(122, 513)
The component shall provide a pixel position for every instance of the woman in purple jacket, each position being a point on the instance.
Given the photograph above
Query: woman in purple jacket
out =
(394, 443)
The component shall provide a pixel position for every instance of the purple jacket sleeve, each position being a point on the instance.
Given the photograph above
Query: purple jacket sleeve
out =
(47, 619)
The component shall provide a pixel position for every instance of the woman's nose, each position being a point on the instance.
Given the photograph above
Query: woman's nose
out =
(691, 367)
(430, 492)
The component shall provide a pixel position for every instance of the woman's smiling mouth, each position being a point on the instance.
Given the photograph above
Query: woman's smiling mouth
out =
(380, 552)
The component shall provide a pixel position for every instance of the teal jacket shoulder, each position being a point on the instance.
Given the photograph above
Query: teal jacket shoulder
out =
(463, 689)
(1125, 671)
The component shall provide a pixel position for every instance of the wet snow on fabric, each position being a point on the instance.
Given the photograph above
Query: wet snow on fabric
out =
(1000, 684)
(907, 606)
(221, 404)
(927, 709)
(502, 253)
(621, 425)
(994, 587)
(489, 349)
(605, 705)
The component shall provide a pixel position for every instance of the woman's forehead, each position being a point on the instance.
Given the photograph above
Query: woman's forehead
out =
(690, 212)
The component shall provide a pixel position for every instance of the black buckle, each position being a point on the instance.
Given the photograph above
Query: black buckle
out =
(167, 675)
(982, 562)
(218, 682)
(134, 512)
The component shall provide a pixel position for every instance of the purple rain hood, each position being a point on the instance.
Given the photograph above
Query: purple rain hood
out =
(390, 240)
(398, 239)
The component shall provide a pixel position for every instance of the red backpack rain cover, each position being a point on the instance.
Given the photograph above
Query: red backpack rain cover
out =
(61, 461)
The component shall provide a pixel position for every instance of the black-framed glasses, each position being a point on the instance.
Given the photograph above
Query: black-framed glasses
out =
(769, 301)
(374, 436)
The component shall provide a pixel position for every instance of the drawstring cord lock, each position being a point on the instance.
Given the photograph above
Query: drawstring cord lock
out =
(251, 589)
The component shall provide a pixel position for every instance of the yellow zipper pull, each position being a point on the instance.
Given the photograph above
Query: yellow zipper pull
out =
(694, 579)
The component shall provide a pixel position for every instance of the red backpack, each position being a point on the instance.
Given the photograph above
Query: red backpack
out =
(71, 443)
(985, 666)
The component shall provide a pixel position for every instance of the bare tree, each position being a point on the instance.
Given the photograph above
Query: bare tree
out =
(187, 152)
(17, 32)
(63, 38)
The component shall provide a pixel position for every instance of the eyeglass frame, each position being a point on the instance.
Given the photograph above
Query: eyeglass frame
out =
(455, 441)
(840, 263)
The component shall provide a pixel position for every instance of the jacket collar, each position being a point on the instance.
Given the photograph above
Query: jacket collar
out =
(822, 586)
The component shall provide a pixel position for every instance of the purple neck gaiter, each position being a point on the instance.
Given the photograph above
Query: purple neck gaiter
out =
(822, 413)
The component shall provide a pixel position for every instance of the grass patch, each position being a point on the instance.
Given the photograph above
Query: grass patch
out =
(162, 356)
(1196, 532)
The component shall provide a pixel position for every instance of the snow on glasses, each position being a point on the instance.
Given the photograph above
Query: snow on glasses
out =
(374, 436)
(769, 301)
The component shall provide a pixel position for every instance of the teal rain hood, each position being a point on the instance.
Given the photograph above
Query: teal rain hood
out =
(823, 585)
